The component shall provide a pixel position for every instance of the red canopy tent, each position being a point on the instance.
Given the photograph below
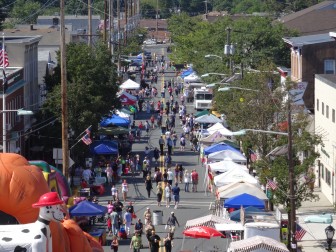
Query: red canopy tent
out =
(127, 99)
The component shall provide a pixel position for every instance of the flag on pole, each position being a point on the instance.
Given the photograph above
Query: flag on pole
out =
(86, 139)
(299, 233)
(88, 130)
(4, 81)
(253, 156)
(3, 58)
(272, 184)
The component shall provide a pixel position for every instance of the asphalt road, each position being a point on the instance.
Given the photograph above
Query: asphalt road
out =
(192, 205)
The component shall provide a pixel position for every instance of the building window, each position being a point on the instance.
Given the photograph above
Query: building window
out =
(317, 104)
(327, 111)
(329, 66)
(333, 115)
(322, 108)
(328, 177)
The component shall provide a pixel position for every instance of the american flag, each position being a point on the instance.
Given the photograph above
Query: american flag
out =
(88, 130)
(3, 58)
(299, 233)
(253, 156)
(272, 184)
(86, 139)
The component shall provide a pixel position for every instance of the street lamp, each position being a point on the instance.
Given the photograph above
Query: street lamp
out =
(211, 85)
(213, 55)
(240, 88)
(208, 74)
(4, 131)
(330, 231)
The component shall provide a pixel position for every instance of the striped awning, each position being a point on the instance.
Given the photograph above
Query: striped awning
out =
(208, 221)
(257, 242)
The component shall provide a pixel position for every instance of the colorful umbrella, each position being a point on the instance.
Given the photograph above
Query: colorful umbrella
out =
(202, 232)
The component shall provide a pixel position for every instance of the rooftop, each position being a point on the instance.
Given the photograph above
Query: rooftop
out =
(308, 40)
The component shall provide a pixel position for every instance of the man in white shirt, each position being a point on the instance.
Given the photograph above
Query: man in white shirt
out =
(87, 174)
(170, 176)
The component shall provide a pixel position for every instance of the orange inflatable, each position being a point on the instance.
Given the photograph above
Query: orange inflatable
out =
(22, 185)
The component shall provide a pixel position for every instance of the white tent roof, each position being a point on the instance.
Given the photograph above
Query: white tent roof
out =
(122, 114)
(215, 137)
(234, 175)
(208, 220)
(129, 84)
(226, 155)
(257, 242)
(226, 165)
(229, 227)
(237, 188)
(208, 119)
(219, 128)
(192, 78)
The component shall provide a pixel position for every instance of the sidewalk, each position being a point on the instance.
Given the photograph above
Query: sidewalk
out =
(315, 238)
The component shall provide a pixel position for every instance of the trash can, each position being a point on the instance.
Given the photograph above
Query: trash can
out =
(157, 217)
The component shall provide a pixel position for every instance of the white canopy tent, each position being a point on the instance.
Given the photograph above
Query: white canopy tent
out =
(192, 78)
(129, 84)
(226, 165)
(257, 243)
(220, 128)
(208, 119)
(215, 137)
(234, 175)
(229, 227)
(208, 220)
(237, 188)
(226, 155)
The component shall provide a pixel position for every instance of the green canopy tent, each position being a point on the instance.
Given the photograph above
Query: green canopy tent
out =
(201, 113)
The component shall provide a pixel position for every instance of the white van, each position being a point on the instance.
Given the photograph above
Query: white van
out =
(202, 98)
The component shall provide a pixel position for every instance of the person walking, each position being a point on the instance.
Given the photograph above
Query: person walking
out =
(154, 241)
(171, 223)
(168, 195)
(115, 243)
(128, 221)
(114, 221)
(170, 177)
(109, 171)
(168, 243)
(159, 192)
(176, 194)
(124, 190)
(187, 178)
(157, 176)
(194, 179)
(167, 160)
(149, 186)
(148, 230)
(161, 143)
(148, 216)
(182, 143)
(136, 242)
(138, 227)
(169, 145)
(156, 154)
(114, 193)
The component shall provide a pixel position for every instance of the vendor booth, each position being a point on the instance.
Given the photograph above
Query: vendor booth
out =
(244, 200)
(234, 175)
(257, 243)
(127, 99)
(224, 166)
(129, 84)
(237, 188)
(208, 220)
(227, 155)
(114, 120)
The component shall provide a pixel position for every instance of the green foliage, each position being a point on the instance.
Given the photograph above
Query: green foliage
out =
(74, 7)
(91, 86)
(25, 12)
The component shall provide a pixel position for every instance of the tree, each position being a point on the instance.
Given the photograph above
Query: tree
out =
(25, 12)
(92, 86)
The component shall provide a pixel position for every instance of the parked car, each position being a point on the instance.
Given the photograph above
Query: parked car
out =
(149, 42)
(323, 218)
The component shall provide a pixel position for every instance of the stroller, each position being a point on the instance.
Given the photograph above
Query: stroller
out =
(122, 232)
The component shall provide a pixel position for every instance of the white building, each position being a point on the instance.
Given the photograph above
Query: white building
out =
(325, 125)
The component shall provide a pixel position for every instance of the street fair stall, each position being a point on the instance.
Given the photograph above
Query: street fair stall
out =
(208, 220)
(226, 155)
(234, 175)
(256, 244)
(22, 185)
(224, 166)
(244, 200)
(129, 84)
(236, 188)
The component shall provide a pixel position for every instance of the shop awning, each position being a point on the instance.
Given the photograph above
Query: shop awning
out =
(257, 242)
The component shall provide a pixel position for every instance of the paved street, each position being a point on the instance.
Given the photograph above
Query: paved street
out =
(192, 205)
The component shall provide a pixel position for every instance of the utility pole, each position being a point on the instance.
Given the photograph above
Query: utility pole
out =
(157, 17)
(206, 7)
(90, 24)
(105, 21)
(126, 21)
(229, 49)
(118, 16)
(64, 99)
(292, 241)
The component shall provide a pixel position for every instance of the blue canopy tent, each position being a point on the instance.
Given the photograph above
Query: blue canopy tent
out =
(219, 147)
(87, 208)
(104, 148)
(114, 120)
(244, 200)
(187, 72)
(250, 210)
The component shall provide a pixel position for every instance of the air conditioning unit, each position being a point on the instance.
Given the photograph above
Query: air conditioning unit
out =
(8, 126)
